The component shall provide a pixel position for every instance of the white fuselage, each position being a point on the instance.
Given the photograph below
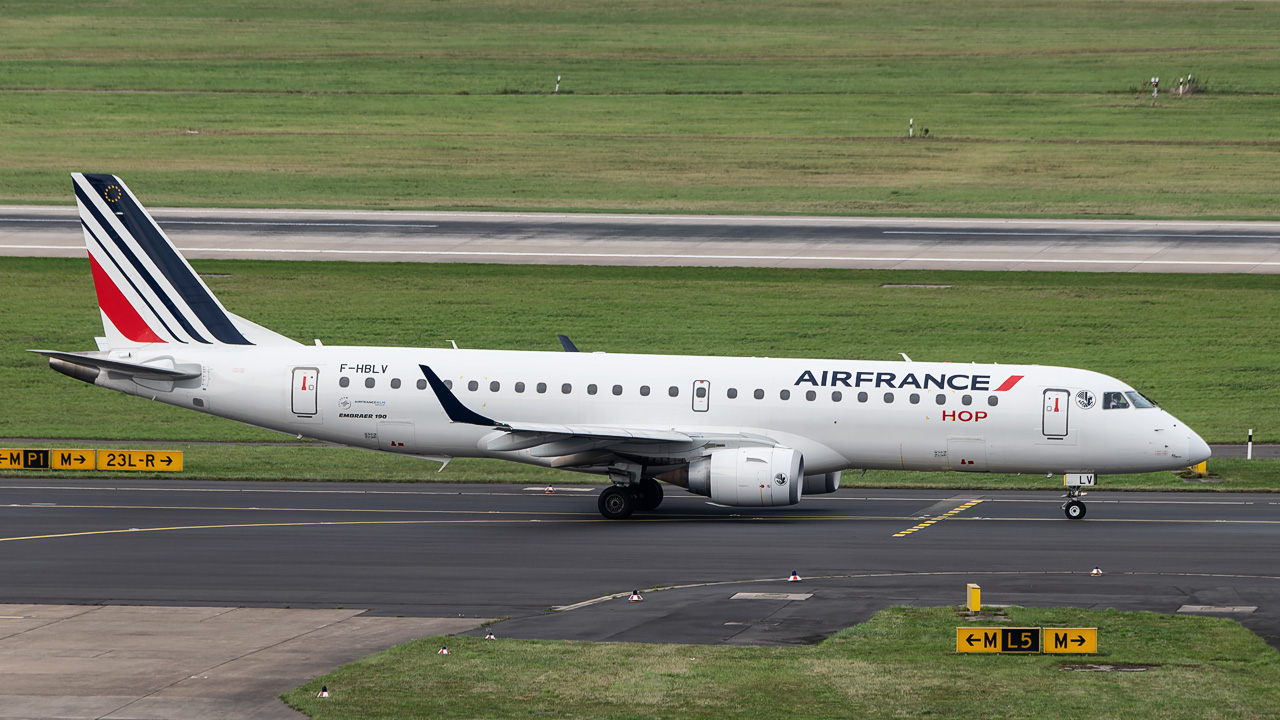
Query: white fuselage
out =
(839, 414)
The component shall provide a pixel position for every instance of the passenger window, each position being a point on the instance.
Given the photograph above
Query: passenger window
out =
(673, 391)
(785, 394)
(940, 399)
(888, 397)
(368, 382)
(966, 399)
(566, 388)
(520, 387)
(731, 393)
(836, 396)
(591, 389)
(993, 400)
(862, 397)
(617, 389)
(395, 383)
(1114, 401)
(345, 381)
(915, 398)
(448, 384)
(422, 384)
(542, 387)
(473, 386)
(493, 386)
(644, 391)
(811, 396)
(759, 394)
(1139, 400)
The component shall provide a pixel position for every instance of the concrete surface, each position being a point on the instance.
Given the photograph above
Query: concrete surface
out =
(194, 663)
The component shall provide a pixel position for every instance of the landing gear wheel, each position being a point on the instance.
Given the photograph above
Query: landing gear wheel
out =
(616, 503)
(1074, 510)
(648, 494)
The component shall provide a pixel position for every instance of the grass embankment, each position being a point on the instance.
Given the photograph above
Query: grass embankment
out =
(1202, 345)
(902, 663)
(664, 106)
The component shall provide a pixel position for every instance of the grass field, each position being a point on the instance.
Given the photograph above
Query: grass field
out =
(902, 663)
(664, 106)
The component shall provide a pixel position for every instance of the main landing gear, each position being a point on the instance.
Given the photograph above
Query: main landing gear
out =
(617, 502)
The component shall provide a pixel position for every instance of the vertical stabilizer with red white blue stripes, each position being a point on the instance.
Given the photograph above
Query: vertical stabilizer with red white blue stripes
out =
(147, 292)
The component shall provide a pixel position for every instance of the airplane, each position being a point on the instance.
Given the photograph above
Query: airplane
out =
(749, 432)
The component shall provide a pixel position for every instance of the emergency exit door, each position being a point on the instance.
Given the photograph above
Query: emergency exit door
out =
(304, 391)
(1056, 404)
(701, 395)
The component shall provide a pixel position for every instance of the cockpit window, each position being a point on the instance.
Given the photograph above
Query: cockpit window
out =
(1139, 400)
(1114, 401)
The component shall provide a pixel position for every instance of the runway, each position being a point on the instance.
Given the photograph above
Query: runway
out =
(504, 551)
(665, 240)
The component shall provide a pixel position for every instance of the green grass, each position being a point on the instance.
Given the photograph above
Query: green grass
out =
(1202, 345)
(664, 106)
(902, 663)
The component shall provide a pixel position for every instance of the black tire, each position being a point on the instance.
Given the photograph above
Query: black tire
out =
(648, 494)
(1074, 509)
(616, 503)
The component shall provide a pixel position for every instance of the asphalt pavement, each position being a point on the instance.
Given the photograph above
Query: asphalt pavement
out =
(685, 240)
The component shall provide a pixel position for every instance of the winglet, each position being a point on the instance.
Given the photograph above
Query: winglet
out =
(453, 407)
(567, 344)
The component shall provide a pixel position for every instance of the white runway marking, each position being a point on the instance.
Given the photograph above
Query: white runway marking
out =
(691, 256)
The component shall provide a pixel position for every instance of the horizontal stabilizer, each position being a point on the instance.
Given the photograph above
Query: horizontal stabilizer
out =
(89, 362)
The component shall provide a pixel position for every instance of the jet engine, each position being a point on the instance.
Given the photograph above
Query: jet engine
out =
(751, 476)
(822, 484)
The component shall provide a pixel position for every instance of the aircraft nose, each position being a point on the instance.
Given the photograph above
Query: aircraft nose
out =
(1197, 449)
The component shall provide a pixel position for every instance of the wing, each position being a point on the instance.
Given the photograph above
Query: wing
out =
(584, 447)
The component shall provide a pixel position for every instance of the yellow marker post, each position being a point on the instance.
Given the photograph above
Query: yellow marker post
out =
(1070, 640)
(140, 460)
(975, 598)
(73, 459)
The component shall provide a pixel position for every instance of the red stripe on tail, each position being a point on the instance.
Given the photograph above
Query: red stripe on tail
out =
(1008, 384)
(119, 310)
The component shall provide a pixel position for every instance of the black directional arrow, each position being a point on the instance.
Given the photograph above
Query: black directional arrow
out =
(80, 458)
(970, 640)
(168, 461)
(1079, 640)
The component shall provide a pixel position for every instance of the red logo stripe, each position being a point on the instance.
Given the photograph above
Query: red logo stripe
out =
(1008, 384)
(118, 309)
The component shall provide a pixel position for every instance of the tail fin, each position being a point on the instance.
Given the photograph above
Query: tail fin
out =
(147, 292)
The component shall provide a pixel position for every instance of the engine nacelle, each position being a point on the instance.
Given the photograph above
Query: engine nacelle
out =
(756, 477)
(822, 484)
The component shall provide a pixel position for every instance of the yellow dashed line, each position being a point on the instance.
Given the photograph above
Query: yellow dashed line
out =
(940, 518)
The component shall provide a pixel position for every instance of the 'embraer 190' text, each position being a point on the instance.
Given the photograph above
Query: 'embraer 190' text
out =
(923, 381)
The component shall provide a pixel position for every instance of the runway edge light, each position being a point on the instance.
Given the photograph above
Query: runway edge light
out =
(444, 650)
(795, 577)
(635, 596)
(324, 691)
(490, 636)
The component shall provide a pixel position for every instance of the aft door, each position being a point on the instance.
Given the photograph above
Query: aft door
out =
(1056, 405)
(304, 391)
(701, 395)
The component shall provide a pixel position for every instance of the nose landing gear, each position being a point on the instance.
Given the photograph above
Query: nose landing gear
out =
(1073, 508)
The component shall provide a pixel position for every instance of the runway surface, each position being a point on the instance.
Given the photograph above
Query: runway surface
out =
(507, 551)
(792, 242)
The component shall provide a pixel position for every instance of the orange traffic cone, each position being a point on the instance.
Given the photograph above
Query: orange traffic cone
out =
(324, 691)
(795, 577)
(444, 650)
(635, 596)
(1097, 571)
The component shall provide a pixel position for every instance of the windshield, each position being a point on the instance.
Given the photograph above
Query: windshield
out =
(1139, 400)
